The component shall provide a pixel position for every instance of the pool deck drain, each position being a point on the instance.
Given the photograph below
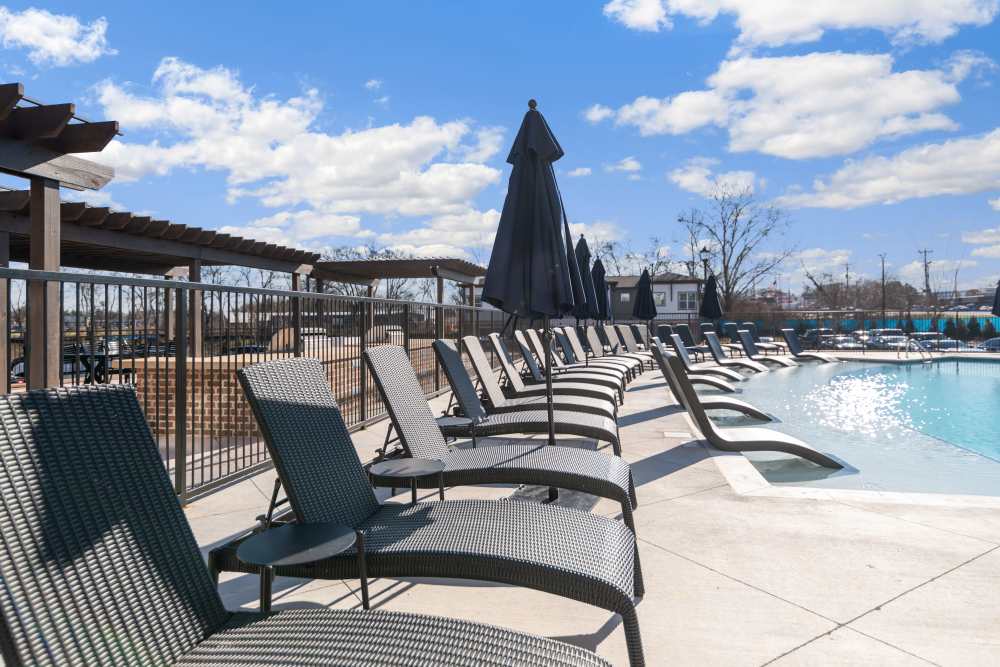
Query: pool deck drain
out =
(737, 572)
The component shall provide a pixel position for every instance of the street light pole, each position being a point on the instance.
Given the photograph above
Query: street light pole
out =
(882, 257)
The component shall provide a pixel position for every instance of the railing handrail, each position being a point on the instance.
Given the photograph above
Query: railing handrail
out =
(64, 277)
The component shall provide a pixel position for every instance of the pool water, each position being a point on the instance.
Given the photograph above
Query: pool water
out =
(921, 427)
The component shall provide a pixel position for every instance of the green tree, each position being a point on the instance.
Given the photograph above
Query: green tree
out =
(989, 331)
(975, 330)
(800, 328)
(909, 327)
(950, 330)
(961, 330)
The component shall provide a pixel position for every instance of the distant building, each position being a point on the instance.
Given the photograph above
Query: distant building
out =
(673, 293)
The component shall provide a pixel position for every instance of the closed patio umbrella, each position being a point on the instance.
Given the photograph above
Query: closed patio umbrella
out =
(996, 301)
(644, 307)
(529, 272)
(601, 291)
(589, 307)
(711, 308)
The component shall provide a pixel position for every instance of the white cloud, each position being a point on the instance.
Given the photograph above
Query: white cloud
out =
(383, 100)
(596, 232)
(297, 228)
(649, 15)
(93, 197)
(815, 105)
(960, 166)
(373, 84)
(942, 272)
(270, 151)
(995, 204)
(580, 171)
(823, 263)
(697, 176)
(54, 39)
(779, 22)
(628, 165)
(451, 234)
(597, 113)
(988, 241)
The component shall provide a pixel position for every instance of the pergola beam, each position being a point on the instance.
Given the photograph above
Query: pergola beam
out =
(33, 123)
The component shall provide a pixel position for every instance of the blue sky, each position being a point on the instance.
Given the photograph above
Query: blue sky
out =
(322, 124)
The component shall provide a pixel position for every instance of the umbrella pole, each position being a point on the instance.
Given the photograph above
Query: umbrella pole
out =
(547, 338)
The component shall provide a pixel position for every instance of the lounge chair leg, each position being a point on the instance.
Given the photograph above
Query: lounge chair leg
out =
(637, 582)
(633, 498)
(359, 544)
(633, 638)
(553, 494)
(266, 579)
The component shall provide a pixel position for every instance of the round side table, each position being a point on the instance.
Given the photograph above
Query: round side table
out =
(300, 544)
(411, 469)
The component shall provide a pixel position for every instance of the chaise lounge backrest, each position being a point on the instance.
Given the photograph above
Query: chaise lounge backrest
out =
(714, 345)
(681, 351)
(461, 384)
(484, 371)
(748, 345)
(308, 441)
(404, 400)
(684, 332)
(98, 564)
(794, 346)
(507, 363)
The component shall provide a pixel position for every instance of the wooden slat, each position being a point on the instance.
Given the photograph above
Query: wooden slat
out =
(14, 201)
(10, 95)
(94, 216)
(116, 221)
(206, 237)
(72, 210)
(32, 123)
(83, 137)
(156, 228)
(174, 231)
(221, 240)
(190, 234)
(25, 159)
(137, 225)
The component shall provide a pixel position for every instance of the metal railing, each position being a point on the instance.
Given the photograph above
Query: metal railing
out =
(146, 333)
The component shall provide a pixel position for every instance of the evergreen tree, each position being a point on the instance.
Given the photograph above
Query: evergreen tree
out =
(909, 327)
(989, 331)
(949, 328)
(961, 330)
(800, 328)
(975, 330)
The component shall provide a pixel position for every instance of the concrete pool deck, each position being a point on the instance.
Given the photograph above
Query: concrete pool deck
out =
(735, 575)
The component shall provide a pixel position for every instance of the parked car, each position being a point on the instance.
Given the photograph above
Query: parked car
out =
(842, 342)
(928, 339)
(949, 344)
(812, 337)
(991, 345)
(891, 342)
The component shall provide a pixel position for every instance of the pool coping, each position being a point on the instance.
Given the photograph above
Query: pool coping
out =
(745, 480)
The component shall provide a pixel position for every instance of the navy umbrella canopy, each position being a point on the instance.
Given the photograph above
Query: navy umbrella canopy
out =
(996, 301)
(644, 307)
(601, 291)
(589, 307)
(711, 308)
(529, 272)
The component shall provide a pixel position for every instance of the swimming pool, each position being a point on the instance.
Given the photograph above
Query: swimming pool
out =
(921, 427)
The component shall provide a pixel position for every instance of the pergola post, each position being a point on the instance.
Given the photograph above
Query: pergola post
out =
(44, 325)
(4, 324)
(296, 316)
(438, 329)
(472, 315)
(319, 286)
(195, 310)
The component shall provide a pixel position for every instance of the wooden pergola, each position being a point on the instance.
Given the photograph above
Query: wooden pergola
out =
(36, 143)
(369, 272)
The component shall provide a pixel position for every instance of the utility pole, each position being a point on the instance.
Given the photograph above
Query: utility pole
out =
(882, 257)
(927, 273)
(847, 283)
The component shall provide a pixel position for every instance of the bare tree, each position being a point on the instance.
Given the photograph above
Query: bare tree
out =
(736, 229)
(621, 259)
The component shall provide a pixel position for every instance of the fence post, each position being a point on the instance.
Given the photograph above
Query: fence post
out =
(363, 340)
(296, 316)
(180, 396)
(438, 330)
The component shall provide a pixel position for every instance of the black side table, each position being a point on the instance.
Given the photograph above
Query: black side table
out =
(301, 544)
(453, 426)
(411, 469)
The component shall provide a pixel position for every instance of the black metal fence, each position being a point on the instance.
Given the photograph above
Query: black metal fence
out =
(147, 333)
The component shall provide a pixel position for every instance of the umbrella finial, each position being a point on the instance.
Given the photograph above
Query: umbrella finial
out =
(532, 103)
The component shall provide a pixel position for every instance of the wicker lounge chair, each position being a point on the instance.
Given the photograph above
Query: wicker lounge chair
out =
(641, 335)
(684, 331)
(589, 341)
(616, 346)
(563, 387)
(490, 462)
(752, 353)
(561, 365)
(661, 354)
(795, 348)
(527, 420)
(552, 549)
(99, 565)
(625, 334)
(720, 356)
(454, 369)
(566, 374)
(574, 353)
(703, 368)
(579, 348)
(743, 438)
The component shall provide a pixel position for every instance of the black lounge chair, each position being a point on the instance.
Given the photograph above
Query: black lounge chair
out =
(557, 550)
(702, 368)
(720, 356)
(99, 566)
(767, 346)
(490, 462)
(589, 343)
(684, 331)
(574, 353)
(482, 424)
(617, 346)
(454, 369)
(561, 365)
(743, 438)
(664, 331)
(566, 374)
(752, 353)
(518, 387)
(641, 335)
(660, 353)
(795, 348)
